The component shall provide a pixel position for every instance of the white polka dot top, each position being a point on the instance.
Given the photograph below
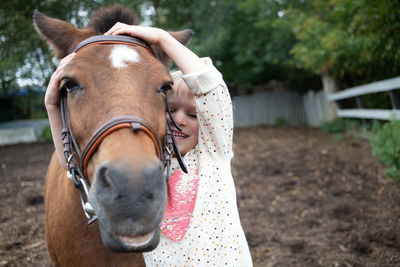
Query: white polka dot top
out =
(214, 236)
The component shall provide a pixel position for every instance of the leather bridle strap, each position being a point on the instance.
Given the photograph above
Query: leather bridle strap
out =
(78, 171)
(114, 39)
(116, 123)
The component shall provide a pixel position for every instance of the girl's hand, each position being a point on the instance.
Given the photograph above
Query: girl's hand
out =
(52, 102)
(149, 34)
(52, 96)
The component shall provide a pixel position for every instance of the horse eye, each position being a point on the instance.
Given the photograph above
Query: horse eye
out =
(70, 85)
(166, 87)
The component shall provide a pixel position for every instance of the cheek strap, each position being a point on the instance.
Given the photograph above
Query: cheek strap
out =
(172, 138)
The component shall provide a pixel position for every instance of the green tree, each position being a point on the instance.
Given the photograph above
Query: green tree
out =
(23, 53)
(352, 41)
(249, 40)
(385, 144)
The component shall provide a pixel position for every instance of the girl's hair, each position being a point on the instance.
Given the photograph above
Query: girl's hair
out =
(180, 88)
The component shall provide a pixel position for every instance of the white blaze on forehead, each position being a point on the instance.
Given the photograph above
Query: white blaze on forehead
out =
(121, 54)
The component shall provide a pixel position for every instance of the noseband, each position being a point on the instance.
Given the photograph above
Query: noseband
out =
(78, 161)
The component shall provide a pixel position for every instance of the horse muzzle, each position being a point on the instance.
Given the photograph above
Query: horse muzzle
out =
(139, 243)
(129, 204)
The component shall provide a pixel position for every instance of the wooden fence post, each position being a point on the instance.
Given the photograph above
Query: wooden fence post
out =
(330, 87)
(394, 98)
(360, 105)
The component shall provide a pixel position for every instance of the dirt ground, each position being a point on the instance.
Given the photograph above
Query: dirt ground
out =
(305, 199)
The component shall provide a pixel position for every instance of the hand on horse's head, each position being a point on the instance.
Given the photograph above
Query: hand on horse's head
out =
(165, 44)
(149, 34)
(52, 97)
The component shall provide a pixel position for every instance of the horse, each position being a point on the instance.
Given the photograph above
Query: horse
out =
(115, 141)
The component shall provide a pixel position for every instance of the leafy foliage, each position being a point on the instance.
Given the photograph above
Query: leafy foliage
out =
(250, 41)
(355, 41)
(385, 143)
(343, 129)
(23, 53)
(280, 121)
(46, 134)
(333, 127)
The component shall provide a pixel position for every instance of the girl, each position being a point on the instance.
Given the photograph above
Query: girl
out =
(201, 224)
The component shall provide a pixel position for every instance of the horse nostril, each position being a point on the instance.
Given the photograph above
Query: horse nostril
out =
(107, 182)
(105, 178)
(119, 181)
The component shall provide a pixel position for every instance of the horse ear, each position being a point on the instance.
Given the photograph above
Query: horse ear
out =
(61, 35)
(183, 37)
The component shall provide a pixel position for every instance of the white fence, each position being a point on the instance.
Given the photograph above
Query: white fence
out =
(24, 131)
(316, 108)
(267, 107)
(312, 108)
(258, 109)
(389, 85)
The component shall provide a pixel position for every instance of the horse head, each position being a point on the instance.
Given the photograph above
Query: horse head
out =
(108, 81)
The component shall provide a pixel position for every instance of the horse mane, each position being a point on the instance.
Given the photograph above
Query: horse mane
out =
(104, 18)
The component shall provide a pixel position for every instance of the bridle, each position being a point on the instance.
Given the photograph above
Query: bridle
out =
(78, 161)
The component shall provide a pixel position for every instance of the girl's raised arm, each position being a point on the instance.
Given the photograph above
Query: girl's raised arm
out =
(184, 58)
(215, 109)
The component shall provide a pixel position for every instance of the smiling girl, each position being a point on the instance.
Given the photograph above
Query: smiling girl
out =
(201, 224)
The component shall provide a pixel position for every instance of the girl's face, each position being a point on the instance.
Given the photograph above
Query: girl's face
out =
(183, 109)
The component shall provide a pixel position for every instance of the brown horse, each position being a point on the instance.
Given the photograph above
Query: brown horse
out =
(126, 176)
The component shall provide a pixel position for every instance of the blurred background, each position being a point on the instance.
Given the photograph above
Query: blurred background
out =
(258, 45)
(315, 92)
